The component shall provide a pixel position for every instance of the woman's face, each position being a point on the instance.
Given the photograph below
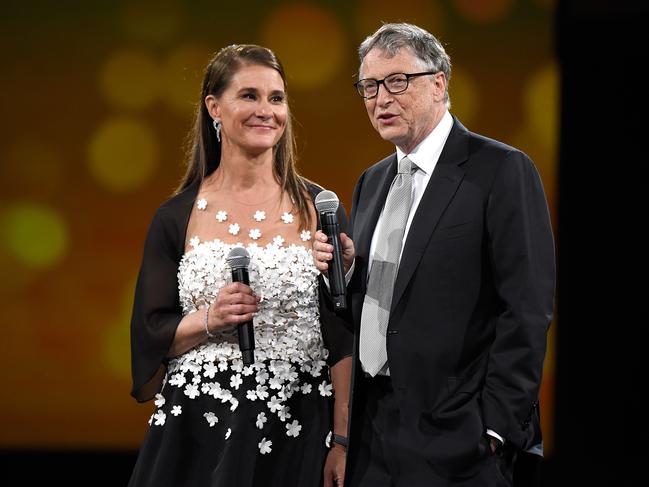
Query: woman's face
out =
(252, 109)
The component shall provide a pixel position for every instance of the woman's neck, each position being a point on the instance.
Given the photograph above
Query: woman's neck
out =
(242, 172)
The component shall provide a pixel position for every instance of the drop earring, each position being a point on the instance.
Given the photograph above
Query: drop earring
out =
(217, 127)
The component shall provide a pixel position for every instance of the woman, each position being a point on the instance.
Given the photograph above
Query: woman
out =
(219, 422)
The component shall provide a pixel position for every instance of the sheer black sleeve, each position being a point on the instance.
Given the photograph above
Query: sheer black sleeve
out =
(156, 309)
(337, 330)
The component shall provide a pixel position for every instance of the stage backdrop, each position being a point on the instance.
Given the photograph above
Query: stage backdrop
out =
(97, 98)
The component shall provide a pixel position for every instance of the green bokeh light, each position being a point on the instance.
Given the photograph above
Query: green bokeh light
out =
(35, 234)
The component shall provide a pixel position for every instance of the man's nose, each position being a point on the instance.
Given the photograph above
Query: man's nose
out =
(383, 96)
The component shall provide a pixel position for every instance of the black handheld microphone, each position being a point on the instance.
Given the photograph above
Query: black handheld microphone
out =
(238, 260)
(326, 202)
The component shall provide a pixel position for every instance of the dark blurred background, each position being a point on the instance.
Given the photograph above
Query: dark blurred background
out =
(97, 99)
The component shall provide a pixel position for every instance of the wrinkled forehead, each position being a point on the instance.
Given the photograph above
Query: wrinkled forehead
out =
(379, 63)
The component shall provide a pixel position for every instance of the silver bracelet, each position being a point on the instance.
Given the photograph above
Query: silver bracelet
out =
(207, 313)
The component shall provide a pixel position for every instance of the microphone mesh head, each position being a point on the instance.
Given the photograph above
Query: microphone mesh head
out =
(238, 258)
(326, 202)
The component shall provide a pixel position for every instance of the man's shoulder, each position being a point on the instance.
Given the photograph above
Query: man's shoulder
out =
(479, 143)
(382, 165)
(493, 158)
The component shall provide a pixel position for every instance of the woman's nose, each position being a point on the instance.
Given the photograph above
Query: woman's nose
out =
(263, 110)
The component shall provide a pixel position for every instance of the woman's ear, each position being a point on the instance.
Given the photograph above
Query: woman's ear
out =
(213, 107)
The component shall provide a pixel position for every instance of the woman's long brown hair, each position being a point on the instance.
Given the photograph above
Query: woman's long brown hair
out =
(204, 150)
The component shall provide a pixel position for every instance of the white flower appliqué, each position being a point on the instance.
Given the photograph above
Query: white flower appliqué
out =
(261, 391)
(261, 419)
(221, 215)
(234, 403)
(211, 418)
(176, 410)
(293, 429)
(177, 380)
(254, 234)
(160, 418)
(279, 241)
(283, 414)
(265, 446)
(325, 389)
(236, 381)
(259, 215)
(201, 204)
(228, 433)
(305, 235)
(287, 217)
(234, 228)
(274, 404)
(159, 400)
(191, 390)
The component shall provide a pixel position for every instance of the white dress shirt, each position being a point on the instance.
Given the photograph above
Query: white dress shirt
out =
(424, 157)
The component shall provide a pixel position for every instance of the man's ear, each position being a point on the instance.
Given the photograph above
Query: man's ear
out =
(439, 86)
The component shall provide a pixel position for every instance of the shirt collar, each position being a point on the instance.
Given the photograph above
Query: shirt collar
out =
(426, 154)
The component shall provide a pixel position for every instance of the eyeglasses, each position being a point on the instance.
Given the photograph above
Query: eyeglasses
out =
(395, 83)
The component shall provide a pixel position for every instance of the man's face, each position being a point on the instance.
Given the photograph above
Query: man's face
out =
(406, 118)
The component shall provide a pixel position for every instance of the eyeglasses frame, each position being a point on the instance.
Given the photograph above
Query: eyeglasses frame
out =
(380, 82)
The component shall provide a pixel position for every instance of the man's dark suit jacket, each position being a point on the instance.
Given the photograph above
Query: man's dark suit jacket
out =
(472, 301)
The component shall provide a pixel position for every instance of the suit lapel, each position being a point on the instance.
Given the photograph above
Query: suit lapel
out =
(374, 190)
(370, 208)
(441, 188)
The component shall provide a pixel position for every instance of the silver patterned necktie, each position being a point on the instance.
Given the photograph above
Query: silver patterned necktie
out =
(385, 263)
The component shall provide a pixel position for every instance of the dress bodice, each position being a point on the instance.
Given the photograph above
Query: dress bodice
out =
(287, 324)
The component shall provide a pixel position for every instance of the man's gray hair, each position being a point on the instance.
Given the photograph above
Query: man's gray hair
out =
(391, 38)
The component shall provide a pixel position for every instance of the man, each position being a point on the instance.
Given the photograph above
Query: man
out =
(451, 268)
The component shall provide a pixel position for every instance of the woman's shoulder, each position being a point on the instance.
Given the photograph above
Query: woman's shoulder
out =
(170, 218)
(312, 187)
(178, 203)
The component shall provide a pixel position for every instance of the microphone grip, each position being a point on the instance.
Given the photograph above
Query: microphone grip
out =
(245, 330)
(336, 273)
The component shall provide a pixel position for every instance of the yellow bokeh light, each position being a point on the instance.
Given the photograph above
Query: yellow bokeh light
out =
(371, 14)
(35, 234)
(122, 154)
(183, 75)
(130, 79)
(483, 11)
(463, 92)
(309, 41)
(541, 103)
(116, 342)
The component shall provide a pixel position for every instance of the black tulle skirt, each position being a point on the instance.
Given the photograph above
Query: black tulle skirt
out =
(201, 441)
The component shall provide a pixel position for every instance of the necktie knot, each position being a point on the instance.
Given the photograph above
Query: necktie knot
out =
(405, 166)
